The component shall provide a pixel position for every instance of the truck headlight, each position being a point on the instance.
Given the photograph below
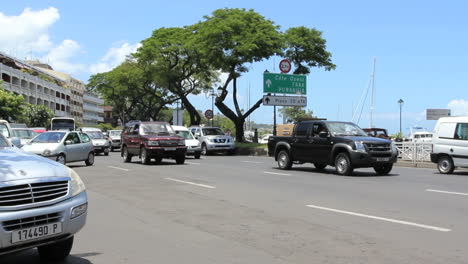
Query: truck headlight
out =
(360, 146)
(394, 147)
(153, 143)
(181, 142)
(211, 140)
(77, 185)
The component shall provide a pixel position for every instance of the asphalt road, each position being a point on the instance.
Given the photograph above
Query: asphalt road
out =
(240, 209)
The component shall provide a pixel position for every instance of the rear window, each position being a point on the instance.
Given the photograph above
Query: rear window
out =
(462, 131)
(301, 130)
(4, 130)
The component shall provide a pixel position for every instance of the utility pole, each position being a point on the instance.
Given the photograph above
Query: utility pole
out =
(372, 95)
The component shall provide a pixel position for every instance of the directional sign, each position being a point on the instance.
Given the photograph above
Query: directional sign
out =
(284, 100)
(435, 114)
(284, 83)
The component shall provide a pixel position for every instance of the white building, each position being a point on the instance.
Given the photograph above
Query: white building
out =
(93, 112)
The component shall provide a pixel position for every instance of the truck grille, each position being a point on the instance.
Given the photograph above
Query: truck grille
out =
(372, 147)
(32, 193)
(220, 140)
(168, 143)
(31, 221)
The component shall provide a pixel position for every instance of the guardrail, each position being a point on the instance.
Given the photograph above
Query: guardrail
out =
(414, 151)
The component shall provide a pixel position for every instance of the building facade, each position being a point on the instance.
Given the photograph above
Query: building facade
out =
(93, 113)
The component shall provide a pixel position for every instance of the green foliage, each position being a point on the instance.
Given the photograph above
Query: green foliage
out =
(294, 114)
(225, 124)
(250, 145)
(36, 115)
(10, 105)
(306, 48)
(104, 127)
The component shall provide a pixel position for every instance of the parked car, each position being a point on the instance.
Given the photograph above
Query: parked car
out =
(213, 139)
(152, 140)
(450, 144)
(115, 137)
(43, 204)
(38, 130)
(340, 144)
(100, 142)
(193, 145)
(63, 146)
(24, 134)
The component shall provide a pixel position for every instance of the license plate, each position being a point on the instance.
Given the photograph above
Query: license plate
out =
(383, 159)
(36, 232)
(169, 149)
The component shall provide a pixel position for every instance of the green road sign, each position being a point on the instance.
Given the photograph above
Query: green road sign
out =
(284, 83)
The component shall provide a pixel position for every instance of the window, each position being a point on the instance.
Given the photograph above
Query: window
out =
(301, 130)
(461, 132)
(84, 138)
(73, 137)
(318, 128)
(446, 130)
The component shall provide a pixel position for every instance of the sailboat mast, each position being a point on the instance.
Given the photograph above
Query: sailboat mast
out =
(372, 95)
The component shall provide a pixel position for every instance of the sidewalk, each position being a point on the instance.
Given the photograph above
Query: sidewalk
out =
(410, 164)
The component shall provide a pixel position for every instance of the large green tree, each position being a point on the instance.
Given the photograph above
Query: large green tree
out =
(10, 105)
(36, 115)
(294, 114)
(176, 65)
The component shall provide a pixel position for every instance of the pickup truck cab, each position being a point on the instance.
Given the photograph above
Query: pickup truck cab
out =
(340, 144)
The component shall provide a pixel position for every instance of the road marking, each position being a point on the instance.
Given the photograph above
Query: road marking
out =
(192, 183)
(382, 218)
(255, 162)
(192, 163)
(439, 191)
(117, 168)
(276, 173)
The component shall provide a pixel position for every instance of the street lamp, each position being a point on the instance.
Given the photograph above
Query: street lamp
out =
(400, 102)
(214, 94)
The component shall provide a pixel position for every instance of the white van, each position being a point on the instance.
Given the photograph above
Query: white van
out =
(450, 143)
(193, 145)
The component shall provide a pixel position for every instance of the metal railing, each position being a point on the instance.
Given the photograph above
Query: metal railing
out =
(414, 151)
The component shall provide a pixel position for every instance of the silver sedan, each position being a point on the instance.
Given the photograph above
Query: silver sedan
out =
(63, 146)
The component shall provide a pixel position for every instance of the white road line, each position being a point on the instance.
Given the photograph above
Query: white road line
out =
(276, 173)
(382, 218)
(192, 183)
(439, 191)
(117, 168)
(192, 163)
(255, 162)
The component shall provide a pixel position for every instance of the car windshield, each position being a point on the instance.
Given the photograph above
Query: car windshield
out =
(156, 128)
(4, 130)
(345, 129)
(95, 134)
(22, 133)
(49, 137)
(115, 133)
(213, 132)
(185, 134)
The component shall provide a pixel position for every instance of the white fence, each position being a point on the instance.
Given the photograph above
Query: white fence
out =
(414, 151)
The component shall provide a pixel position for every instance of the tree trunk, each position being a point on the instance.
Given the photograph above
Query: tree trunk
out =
(195, 118)
(240, 129)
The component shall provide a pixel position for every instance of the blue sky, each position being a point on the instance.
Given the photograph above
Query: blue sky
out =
(420, 48)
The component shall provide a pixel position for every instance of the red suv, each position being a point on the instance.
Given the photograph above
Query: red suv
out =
(149, 140)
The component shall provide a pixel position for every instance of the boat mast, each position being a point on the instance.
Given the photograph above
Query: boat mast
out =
(372, 95)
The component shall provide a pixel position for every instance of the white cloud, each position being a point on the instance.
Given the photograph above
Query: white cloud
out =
(114, 57)
(458, 107)
(60, 56)
(27, 32)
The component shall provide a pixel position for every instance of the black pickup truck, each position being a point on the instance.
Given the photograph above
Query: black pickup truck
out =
(340, 144)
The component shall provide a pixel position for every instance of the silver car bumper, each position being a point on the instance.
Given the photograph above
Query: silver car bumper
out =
(63, 209)
(221, 146)
(192, 150)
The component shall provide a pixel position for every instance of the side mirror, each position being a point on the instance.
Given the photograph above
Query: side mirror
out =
(323, 134)
(68, 142)
(16, 142)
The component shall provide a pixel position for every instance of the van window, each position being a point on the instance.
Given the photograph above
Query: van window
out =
(446, 130)
(301, 130)
(462, 131)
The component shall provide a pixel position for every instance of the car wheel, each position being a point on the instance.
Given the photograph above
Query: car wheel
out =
(180, 159)
(144, 156)
(106, 152)
(445, 165)
(204, 150)
(62, 159)
(284, 160)
(90, 160)
(125, 155)
(197, 155)
(112, 149)
(56, 251)
(320, 166)
(383, 169)
(343, 164)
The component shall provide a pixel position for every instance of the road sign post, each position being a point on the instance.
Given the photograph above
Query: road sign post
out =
(284, 100)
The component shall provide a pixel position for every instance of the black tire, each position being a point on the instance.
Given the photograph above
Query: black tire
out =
(197, 155)
(126, 156)
(90, 160)
(284, 160)
(343, 164)
(180, 159)
(145, 159)
(112, 149)
(204, 150)
(384, 169)
(106, 151)
(62, 159)
(445, 165)
(320, 166)
(56, 251)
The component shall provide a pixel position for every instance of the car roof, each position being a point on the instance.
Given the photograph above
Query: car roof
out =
(181, 128)
(90, 129)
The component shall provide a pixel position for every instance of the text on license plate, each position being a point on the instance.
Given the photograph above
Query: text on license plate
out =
(169, 149)
(36, 232)
(383, 159)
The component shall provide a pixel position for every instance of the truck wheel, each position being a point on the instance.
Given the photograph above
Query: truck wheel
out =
(126, 157)
(343, 164)
(197, 155)
(383, 169)
(284, 160)
(320, 166)
(445, 165)
(145, 159)
(56, 251)
(90, 160)
(180, 159)
(204, 150)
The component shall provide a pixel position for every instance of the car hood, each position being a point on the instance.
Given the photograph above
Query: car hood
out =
(16, 164)
(367, 139)
(38, 148)
(192, 142)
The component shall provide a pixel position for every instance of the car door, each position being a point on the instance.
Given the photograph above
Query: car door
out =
(300, 142)
(73, 146)
(86, 146)
(134, 140)
(320, 147)
(459, 149)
